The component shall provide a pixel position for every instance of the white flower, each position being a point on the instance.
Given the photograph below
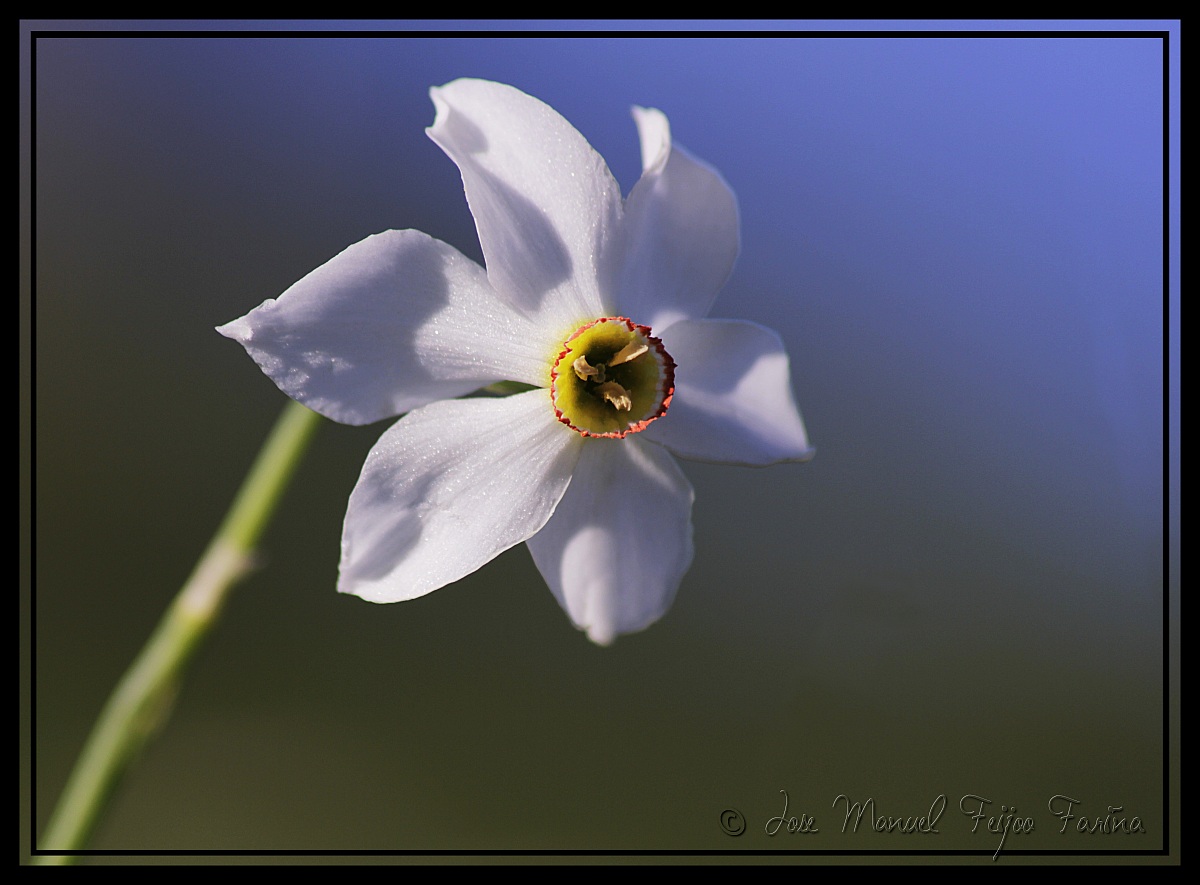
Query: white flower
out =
(579, 468)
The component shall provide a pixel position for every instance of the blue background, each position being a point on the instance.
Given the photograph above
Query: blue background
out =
(960, 239)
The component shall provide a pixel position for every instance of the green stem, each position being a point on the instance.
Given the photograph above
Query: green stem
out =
(139, 705)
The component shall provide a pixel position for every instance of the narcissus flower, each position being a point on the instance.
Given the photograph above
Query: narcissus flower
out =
(594, 301)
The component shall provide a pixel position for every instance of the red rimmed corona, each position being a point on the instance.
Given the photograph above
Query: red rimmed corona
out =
(611, 378)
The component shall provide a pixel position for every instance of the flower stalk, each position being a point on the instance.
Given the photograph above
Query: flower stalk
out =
(141, 702)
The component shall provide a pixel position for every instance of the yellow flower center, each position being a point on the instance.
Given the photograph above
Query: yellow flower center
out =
(611, 378)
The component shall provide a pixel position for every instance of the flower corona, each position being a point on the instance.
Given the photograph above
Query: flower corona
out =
(611, 378)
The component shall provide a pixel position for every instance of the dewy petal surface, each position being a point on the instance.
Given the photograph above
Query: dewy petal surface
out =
(391, 323)
(679, 235)
(733, 396)
(449, 487)
(620, 540)
(545, 204)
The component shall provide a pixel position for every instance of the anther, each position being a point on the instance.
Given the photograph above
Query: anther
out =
(616, 395)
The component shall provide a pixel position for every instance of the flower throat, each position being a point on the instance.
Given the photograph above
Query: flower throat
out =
(611, 378)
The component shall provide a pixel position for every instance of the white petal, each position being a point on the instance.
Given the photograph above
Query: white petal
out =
(391, 323)
(679, 234)
(733, 399)
(449, 487)
(621, 539)
(545, 204)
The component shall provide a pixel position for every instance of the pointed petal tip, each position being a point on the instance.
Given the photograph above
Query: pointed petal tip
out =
(800, 452)
(602, 636)
(374, 592)
(654, 135)
(236, 330)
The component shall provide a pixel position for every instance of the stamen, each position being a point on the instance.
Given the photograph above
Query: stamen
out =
(585, 371)
(630, 351)
(615, 395)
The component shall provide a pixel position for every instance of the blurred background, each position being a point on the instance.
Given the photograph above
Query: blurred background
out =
(960, 239)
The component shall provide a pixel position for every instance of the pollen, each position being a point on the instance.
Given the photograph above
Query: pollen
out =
(615, 395)
(586, 372)
(611, 378)
(629, 352)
